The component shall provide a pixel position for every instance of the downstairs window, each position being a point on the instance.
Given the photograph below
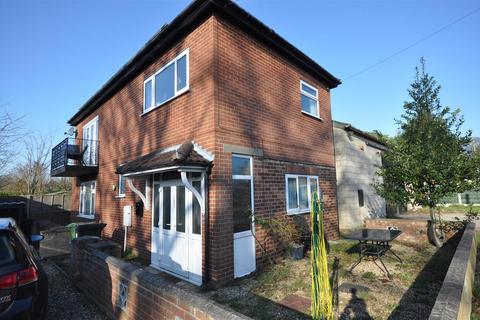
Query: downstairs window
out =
(299, 192)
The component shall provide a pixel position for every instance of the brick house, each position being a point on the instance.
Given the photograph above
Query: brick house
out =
(214, 116)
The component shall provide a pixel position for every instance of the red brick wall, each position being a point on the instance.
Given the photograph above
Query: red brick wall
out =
(150, 295)
(124, 133)
(257, 105)
(241, 93)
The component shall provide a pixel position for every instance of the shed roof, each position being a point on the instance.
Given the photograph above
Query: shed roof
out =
(348, 127)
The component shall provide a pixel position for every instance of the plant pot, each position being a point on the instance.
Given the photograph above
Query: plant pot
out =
(295, 251)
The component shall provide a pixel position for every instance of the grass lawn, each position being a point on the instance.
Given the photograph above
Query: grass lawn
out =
(410, 294)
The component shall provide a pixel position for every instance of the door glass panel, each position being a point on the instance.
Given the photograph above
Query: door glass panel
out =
(88, 197)
(166, 205)
(93, 198)
(241, 205)
(303, 190)
(156, 206)
(196, 220)
(82, 199)
(180, 209)
(292, 193)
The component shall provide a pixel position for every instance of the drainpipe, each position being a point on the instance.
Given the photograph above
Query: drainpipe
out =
(207, 222)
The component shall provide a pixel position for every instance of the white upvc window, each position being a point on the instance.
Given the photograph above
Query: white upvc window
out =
(299, 190)
(121, 186)
(87, 199)
(309, 96)
(167, 83)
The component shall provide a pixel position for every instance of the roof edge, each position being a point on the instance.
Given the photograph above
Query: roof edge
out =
(190, 17)
(348, 127)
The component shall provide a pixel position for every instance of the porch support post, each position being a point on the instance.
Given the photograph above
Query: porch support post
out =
(145, 199)
(198, 196)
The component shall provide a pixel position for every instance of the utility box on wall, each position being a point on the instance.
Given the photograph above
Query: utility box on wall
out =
(127, 216)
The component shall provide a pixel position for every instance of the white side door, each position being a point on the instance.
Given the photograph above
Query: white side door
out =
(244, 257)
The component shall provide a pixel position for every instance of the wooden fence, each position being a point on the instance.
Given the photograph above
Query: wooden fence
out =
(53, 207)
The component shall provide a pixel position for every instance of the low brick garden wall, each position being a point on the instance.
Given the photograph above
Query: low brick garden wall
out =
(123, 290)
(412, 230)
(454, 301)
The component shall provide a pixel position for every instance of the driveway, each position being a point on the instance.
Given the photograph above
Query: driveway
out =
(65, 301)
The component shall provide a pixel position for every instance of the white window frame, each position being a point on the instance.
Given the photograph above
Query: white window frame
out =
(120, 194)
(297, 210)
(153, 104)
(245, 233)
(88, 215)
(308, 95)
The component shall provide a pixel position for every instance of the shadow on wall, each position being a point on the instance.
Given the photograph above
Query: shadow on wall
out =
(418, 301)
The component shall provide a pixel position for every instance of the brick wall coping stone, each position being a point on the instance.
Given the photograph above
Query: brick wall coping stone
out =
(155, 284)
(454, 301)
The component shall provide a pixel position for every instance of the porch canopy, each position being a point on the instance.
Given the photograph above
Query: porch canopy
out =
(184, 158)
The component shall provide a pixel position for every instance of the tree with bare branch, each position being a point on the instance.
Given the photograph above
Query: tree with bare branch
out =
(11, 133)
(31, 174)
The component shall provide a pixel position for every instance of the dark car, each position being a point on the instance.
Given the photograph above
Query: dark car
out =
(23, 282)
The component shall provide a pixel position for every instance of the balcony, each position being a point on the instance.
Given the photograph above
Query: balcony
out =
(74, 158)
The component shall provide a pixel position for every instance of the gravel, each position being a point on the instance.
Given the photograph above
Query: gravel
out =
(65, 301)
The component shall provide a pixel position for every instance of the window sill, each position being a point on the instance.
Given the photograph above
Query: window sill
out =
(312, 116)
(120, 196)
(91, 217)
(187, 89)
(293, 213)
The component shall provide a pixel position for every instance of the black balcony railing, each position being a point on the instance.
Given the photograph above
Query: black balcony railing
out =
(74, 157)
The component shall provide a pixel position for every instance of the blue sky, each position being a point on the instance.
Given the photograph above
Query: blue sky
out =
(55, 54)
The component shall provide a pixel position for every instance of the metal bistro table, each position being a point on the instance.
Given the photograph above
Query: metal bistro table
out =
(374, 243)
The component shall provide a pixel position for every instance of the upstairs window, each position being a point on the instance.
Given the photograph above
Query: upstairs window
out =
(167, 83)
(309, 95)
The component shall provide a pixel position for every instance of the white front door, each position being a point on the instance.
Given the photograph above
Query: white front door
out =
(90, 138)
(176, 235)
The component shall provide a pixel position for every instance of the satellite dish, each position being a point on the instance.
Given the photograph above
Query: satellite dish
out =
(72, 131)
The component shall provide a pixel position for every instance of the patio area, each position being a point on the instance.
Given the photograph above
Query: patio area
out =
(282, 291)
